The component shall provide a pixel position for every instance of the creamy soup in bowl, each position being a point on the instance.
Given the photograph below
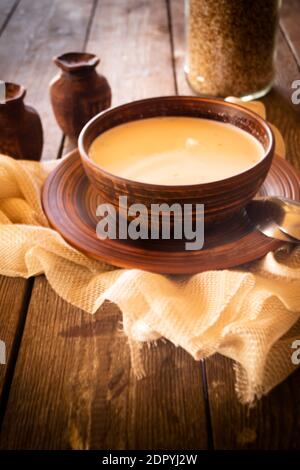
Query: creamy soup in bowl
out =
(176, 150)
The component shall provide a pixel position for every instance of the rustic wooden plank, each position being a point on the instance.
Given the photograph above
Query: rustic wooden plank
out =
(177, 14)
(38, 30)
(289, 22)
(73, 387)
(13, 292)
(132, 40)
(280, 109)
(268, 425)
(7, 8)
(272, 423)
(12, 312)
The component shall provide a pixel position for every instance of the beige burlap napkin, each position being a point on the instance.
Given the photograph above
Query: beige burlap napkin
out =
(250, 315)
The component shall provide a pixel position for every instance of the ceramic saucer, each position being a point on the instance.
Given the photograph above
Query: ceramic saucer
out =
(70, 204)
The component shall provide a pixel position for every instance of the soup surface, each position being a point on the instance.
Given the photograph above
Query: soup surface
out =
(175, 150)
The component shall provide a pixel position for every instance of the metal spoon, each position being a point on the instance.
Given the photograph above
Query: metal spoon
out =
(276, 217)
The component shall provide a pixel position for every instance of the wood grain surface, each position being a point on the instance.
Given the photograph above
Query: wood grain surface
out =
(7, 8)
(14, 294)
(71, 386)
(290, 20)
(171, 406)
(274, 422)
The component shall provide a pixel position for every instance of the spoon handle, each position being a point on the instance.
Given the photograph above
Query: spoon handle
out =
(290, 204)
(290, 223)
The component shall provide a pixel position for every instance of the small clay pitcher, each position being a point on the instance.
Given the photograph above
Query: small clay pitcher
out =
(21, 133)
(78, 93)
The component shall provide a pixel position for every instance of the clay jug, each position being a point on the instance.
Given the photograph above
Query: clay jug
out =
(21, 133)
(78, 93)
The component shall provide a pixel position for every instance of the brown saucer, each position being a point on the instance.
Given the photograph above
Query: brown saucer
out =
(70, 204)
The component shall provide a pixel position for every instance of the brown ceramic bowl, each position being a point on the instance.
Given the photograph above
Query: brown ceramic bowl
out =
(221, 198)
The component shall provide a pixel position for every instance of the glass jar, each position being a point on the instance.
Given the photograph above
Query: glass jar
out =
(230, 46)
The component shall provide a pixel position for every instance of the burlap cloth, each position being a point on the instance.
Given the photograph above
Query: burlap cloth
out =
(248, 314)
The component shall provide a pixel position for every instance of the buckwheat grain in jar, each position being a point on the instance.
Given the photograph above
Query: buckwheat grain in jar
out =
(230, 46)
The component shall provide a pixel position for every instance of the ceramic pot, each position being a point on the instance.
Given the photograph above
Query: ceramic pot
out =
(21, 133)
(78, 92)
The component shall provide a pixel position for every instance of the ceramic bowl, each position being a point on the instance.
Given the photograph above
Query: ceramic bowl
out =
(221, 199)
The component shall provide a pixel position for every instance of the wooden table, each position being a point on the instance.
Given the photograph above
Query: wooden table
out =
(67, 383)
